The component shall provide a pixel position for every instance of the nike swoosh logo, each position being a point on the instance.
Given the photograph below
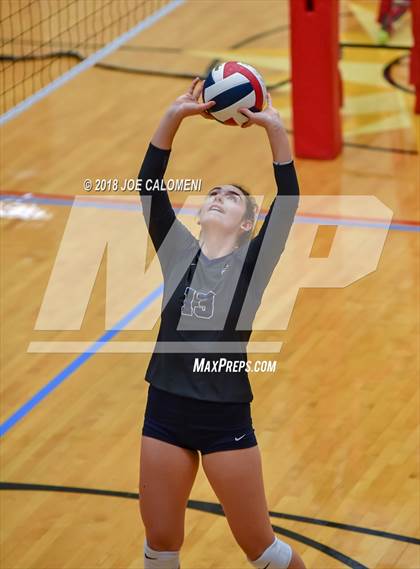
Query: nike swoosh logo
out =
(267, 565)
(238, 439)
(147, 557)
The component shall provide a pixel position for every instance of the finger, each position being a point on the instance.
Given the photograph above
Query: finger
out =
(246, 124)
(198, 89)
(205, 106)
(192, 86)
(269, 100)
(207, 115)
(246, 112)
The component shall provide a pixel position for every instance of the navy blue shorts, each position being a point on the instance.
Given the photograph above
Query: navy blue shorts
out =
(205, 426)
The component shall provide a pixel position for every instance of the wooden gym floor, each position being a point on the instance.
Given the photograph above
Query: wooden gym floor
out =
(337, 424)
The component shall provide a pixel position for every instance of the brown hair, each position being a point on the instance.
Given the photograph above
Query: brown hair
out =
(250, 213)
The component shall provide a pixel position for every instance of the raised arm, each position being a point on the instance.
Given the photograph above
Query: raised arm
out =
(270, 120)
(266, 248)
(157, 207)
(184, 106)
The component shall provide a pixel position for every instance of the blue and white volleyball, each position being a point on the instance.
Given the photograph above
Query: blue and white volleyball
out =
(234, 85)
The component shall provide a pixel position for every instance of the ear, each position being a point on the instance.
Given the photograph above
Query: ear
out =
(246, 225)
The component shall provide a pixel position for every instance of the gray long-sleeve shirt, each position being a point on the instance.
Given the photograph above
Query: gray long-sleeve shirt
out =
(205, 300)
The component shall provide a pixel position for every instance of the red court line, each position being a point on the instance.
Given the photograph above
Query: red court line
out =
(350, 217)
(414, 223)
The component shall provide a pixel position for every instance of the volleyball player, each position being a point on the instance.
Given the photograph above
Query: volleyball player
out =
(210, 290)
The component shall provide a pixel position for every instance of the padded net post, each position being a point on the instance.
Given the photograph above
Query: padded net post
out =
(415, 54)
(316, 82)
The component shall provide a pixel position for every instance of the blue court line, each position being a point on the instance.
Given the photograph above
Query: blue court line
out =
(89, 61)
(186, 211)
(78, 362)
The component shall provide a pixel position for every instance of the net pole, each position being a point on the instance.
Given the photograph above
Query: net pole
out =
(316, 81)
(415, 54)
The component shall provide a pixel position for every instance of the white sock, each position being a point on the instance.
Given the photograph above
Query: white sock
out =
(277, 556)
(160, 559)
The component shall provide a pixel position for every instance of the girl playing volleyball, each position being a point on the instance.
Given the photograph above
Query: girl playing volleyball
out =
(211, 295)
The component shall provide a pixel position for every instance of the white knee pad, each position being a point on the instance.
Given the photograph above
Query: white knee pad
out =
(160, 559)
(277, 556)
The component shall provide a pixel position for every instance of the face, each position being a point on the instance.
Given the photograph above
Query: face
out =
(225, 208)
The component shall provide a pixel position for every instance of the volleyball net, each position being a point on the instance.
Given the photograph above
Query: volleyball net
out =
(44, 40)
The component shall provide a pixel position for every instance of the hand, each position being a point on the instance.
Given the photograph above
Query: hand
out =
(268, 118)
(188, 104)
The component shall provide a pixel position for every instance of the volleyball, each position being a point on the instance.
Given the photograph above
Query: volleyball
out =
(234, 85)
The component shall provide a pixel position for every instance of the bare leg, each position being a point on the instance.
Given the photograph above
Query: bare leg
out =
(237, 479)
(167, 474)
